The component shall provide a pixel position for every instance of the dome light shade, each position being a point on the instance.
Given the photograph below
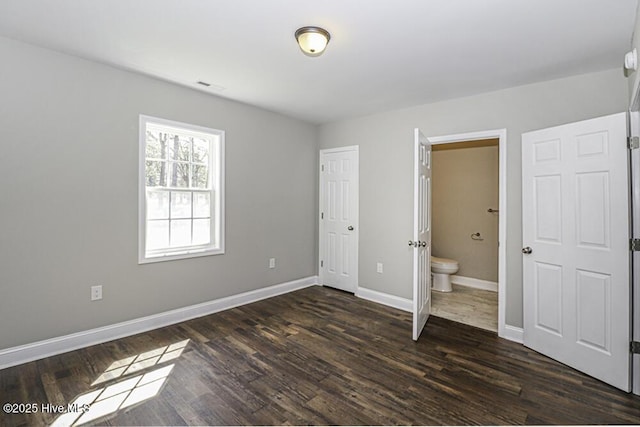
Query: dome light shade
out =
(312, 40)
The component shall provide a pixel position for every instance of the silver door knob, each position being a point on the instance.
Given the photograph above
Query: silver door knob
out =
(423, 244)
(412, 243)
(350, 228)
(527, 250)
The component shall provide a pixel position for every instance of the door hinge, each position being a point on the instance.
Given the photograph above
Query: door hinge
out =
(321, 215)
(634, 245)
(634, 347)
(322, 168)
(633, 142)
(321, 263)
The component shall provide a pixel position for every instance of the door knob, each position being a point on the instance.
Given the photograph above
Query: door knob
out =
(423, 244)
(527, 250)
(412, 243)
(350, 228)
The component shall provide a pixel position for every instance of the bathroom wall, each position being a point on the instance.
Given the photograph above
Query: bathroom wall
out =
(465, 185)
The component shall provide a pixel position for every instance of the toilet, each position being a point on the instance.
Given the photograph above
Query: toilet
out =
(442, 269)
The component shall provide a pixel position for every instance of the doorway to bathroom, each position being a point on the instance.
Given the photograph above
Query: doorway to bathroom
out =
(468, 211)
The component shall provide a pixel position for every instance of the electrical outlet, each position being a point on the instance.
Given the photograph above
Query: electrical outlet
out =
(272, 263)
(96, 293)
(379, 267)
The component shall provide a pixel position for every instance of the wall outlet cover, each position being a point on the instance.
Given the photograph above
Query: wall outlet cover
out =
(96, 293)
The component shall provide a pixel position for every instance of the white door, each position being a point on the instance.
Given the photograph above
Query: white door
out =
(421, 242)
(339, 218)
(575, 221)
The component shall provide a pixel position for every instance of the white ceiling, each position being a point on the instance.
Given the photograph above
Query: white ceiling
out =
(383, 54)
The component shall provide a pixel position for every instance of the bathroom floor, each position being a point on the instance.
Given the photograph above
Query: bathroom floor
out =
(475, 307)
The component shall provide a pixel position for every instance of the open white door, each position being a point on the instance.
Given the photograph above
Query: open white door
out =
(421, 242)
(575, 221)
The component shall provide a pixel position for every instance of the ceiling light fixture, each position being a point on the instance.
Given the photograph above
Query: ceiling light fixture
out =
(312, 40)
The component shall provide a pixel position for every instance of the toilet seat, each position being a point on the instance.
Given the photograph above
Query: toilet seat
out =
(443, 262)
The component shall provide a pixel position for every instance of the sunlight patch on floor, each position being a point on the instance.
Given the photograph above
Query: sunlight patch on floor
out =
(109, 399)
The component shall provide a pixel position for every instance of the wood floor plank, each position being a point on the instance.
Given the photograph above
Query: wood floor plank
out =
(320, 357)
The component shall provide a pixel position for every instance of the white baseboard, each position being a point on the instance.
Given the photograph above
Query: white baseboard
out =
(26, 353)
(385, 299)
(512, 333)
(470, 282)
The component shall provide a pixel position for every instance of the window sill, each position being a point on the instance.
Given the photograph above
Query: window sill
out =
(142, 259)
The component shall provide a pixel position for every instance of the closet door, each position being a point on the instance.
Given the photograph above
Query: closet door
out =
(576, 246)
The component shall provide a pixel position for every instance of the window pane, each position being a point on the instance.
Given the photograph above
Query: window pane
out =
(157, 204)
(181, 232)
(180, 204)
(156, 147)
(179, 148)
(201, 151)
(201, 231)
(152, 148)
(200, 176)
(155, 173)
(157, 234)
(201, 205)
(179, 175)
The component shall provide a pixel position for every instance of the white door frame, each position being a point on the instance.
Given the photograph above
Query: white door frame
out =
(321, 241)
(501, 135)
(634, 156)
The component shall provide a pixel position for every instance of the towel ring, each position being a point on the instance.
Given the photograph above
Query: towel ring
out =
(476, 236)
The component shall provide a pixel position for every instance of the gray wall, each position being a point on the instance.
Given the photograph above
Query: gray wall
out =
(386, 143)
(465, 185)
(68, 205)
(634, 76)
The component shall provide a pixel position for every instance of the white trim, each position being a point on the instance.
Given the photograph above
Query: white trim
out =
(501, 134)
(513, 333)
(400, 303)
(340, 149)
(26, 353)
(634, 130)
(470, 282)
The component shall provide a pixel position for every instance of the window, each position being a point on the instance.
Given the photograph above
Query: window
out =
(181, 191)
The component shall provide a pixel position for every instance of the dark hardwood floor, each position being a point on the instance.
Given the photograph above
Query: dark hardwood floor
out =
(315, 356)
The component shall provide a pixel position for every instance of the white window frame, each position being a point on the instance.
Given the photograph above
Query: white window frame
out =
(216, 170)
